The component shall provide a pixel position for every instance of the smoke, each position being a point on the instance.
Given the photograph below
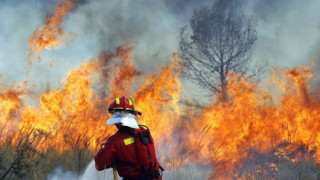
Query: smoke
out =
(16, 24)
(89, 174)
(99, 26)
(149, 26)
(188, 171)
(59, 174)
(183, 9)
(288, 31)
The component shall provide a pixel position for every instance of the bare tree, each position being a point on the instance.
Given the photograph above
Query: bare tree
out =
(221, 41)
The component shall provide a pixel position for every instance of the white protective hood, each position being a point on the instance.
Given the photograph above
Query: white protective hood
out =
(125, 118)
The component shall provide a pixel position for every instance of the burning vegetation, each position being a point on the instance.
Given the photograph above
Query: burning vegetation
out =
(249, 131)
(253, 128)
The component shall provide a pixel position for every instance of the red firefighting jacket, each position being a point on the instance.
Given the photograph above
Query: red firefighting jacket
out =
(120, 150)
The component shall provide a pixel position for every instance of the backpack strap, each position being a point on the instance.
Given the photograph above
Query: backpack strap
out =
(127, 131)
(146, 132)
(145, 138)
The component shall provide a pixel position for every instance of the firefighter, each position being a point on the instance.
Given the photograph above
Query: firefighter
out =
(131, 150)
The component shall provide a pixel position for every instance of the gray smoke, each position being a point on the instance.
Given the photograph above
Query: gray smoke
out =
(149, 26)
(188, 171)
(60, 174)
(90, 173)
(288, 31)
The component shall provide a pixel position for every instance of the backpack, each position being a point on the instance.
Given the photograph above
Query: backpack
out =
(147, 160)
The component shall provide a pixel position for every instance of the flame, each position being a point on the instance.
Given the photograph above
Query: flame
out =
(10, 108)
(223, 135)
(47, 35)
(70, 111)
(158, 100)
(283, 122)
(253, 120)
(125, 73)
(77, 108)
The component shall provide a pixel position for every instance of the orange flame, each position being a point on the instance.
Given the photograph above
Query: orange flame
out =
(223, 135)
(46, 36)
(253, 120)
(10, 108)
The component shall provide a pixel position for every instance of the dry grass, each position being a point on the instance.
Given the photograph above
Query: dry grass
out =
(21, 159)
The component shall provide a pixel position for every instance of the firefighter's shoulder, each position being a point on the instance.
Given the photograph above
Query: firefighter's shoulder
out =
(112, 139)
(119, 136)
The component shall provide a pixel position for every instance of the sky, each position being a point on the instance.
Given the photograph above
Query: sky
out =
(288, 34)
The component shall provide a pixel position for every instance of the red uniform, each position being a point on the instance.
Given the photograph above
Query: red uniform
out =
(122, 150)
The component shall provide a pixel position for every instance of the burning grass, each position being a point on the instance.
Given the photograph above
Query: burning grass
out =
(251, 135)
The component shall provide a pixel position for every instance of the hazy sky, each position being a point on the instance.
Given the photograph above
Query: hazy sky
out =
(288, 34)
